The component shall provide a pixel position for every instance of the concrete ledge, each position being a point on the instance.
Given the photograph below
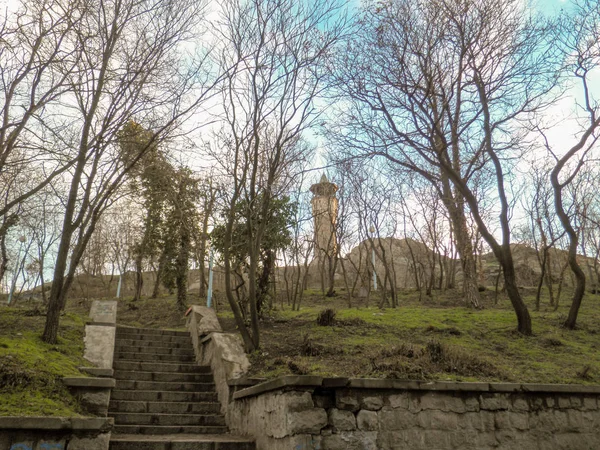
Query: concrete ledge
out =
(304, 381)
(89, 382)
(100, 324)
(98, 372)
(245, 381)
(101, 424)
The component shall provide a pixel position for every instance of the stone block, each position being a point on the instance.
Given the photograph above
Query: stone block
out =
(99, 345)
(104, 311)
(550, 402)
(350, 441)
(99, 442)
(471, 404)
(396, 419)
(493, 402)
(297, 401)
(435, 439)
(206, 320)
(438, 420)
(480, 421)
(95, 401)
(519, 421)
(367, 420)
(393, 440)
(346, 400)
(309, 421)
(398, 400)
(372, 403)
(564, 402)
(502, 420)
(229, 349)
(520, 404)
(342, 420)
(590, 403)
(442, 402)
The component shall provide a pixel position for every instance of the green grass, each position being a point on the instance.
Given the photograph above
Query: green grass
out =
(476, 345)
(31, 371)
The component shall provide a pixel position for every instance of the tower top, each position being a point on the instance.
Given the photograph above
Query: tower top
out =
(324, 188)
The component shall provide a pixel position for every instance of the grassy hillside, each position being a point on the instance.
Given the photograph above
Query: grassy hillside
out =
(437, 339)
(31, 370)
(433, 341)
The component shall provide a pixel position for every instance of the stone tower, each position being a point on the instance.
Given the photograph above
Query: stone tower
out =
(324, 208)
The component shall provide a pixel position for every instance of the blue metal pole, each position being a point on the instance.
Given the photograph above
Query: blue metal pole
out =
(210, 278)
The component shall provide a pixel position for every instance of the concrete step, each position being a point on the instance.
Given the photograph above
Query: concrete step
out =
(163, 376)
(125, 406)
(149, 357)
(163, 396)
(142, 343)
(162, 429)
(151, 331)
(164, 386)
(204, 420)
(160, 367)
(166, 340)
(154, 350)
(180, 442)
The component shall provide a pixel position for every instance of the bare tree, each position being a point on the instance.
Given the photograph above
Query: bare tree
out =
(276, 49)
(35, 66)
(132, 66)
(579, 37)
(437, 88)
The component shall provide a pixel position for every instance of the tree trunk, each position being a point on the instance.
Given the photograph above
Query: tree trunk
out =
(139, 279)
(159, 272)
(573, 244)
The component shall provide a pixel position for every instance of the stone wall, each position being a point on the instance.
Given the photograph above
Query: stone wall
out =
(330, 414)
(223, 352)
(54, 433)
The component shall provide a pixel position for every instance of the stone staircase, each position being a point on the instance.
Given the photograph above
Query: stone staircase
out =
(163, 400)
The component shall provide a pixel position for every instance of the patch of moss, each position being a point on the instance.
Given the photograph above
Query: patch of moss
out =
(31, 371)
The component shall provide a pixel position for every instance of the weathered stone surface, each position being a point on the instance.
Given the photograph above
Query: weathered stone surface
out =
(564, 402)
(590, 403)
(493, 402)
(225, 355)
(471, 404)
(398, 400)
(442, 402)
(104, 311)
(417, 419)
(345, 401)
(520, 404)
(367, 420)
(342, 420)
(372, 403)
(396, 419)
(99, 345)
(350, 441)
(438, 420)
(307, 421)
(99, 442)
(95, 401)
(206, 320)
